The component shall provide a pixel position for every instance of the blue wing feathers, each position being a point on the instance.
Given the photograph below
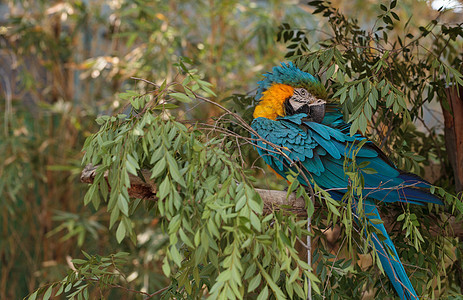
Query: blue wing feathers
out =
(320, 129)
(327, 145)
(321, 151)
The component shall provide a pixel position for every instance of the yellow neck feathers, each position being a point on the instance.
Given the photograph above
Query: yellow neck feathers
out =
(271, 104)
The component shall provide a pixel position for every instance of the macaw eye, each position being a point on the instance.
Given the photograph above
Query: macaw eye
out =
(303, 92)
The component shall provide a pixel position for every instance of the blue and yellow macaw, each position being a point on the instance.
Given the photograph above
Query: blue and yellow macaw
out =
(297, 124)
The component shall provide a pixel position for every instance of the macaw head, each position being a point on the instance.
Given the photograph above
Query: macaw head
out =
(288, 90)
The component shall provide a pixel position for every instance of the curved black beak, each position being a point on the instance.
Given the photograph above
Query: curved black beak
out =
(317, 111)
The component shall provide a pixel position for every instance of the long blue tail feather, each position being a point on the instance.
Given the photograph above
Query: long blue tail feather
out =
(388, 255)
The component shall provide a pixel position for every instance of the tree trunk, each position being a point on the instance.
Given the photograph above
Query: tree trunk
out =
(454, 132)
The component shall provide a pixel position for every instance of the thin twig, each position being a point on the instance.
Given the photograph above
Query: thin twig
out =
(156, 293)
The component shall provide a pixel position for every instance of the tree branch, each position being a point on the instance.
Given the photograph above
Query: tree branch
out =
(273, 200)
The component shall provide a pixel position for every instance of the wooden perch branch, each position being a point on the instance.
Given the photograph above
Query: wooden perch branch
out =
(273, 200)
(147, 190)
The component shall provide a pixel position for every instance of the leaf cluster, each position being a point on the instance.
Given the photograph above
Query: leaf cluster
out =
(219, 240)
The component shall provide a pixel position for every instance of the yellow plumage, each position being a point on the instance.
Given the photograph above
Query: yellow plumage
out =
(272, 102)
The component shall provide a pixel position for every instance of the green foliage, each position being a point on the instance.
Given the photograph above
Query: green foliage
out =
(219, 240)
(100, 272)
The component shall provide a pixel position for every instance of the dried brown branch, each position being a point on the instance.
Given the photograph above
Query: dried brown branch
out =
(273, 200)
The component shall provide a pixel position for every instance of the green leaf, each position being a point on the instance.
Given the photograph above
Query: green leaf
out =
(390, 100)
(47, 294)
(297, 288)
(33, 296)
(367, 111)
(333, 209)
(166, 267)
(292, 188)
(276, 290)
(91, 193)
(135, 101)
(401, 102)
(310, 208)
(68, 287)
(224, 276)
(78, 261)
(263, 294)
(352, 94)
(165, 106)
(174, 224)
(254, 283)
(120, 233)
(176, 255)
(197, 238)
(354, 127)
(181, 97)
(255, 206)
(340, 77)
(185, 238)
(174, 170)
(164, 189)
(60, 290)
(340, 91)
(100, 120)
(284, 238)
(255, 222)
(343, 97)
(131, 164)
(158, 168)
(385, 90)
(376, 221)
(123, 204)
(240, 203)
(330, 71)
(369, 171)
(360, 89)
(363, 123)
(294, 275)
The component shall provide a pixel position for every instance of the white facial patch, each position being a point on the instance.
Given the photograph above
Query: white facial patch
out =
(296, 104)
(302, 97)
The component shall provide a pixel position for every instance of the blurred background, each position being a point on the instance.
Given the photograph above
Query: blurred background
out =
(62, 63)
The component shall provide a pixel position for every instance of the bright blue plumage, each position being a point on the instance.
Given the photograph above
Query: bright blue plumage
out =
(321, 148)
